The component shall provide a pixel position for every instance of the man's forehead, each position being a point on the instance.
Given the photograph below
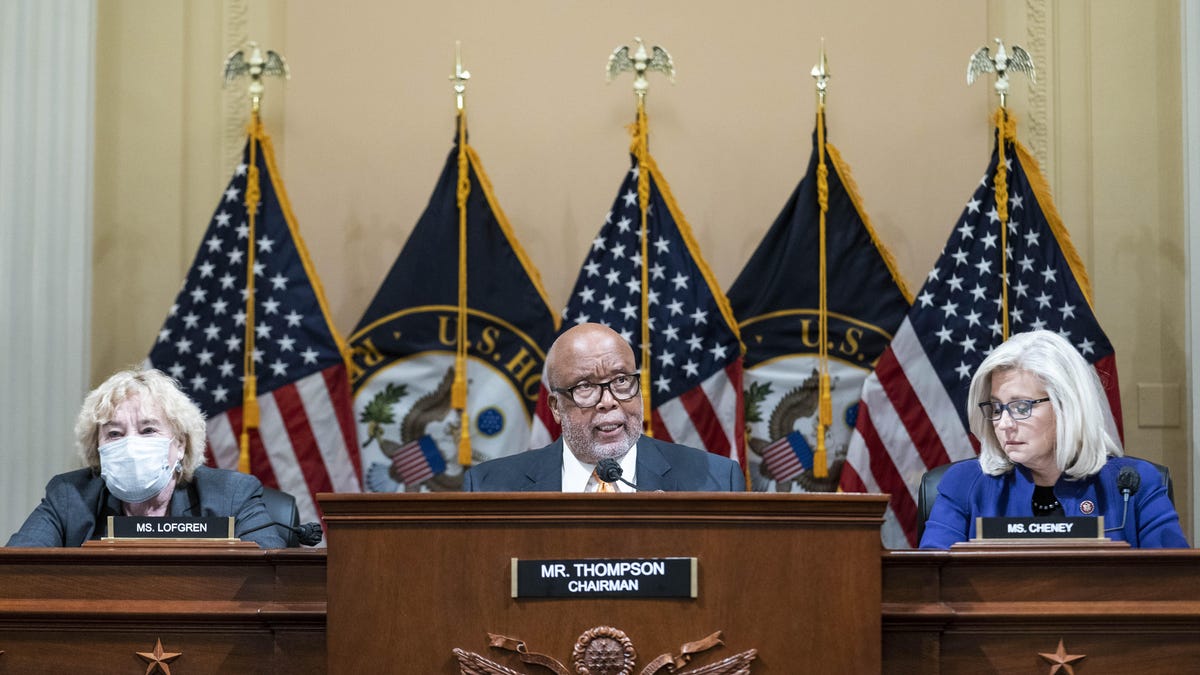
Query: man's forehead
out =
(590, 366)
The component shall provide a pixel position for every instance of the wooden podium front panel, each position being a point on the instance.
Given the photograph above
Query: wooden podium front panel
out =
(227, 610)
(413, 576)
(1127, 611)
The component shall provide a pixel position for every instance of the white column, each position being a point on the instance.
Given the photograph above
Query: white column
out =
(1190, 53)
(47, 64)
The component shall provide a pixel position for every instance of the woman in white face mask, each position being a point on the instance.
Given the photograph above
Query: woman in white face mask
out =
(142, 440)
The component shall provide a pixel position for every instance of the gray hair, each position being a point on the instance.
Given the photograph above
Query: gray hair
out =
(182, 415)
(1082, 442)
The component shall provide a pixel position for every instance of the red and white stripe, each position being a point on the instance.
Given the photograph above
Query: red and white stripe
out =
(306, 442)
(411, 464)
(781, 460)
(906, 425)
(707, 416)
(544, 429)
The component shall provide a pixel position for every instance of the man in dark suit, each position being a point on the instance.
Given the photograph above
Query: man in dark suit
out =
(595, 395)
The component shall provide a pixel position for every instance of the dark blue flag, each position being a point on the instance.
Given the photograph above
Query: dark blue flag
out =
(777, 300)
(405, 345)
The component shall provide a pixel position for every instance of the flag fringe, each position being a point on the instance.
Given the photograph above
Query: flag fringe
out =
(501, 219)
(285, 205)
(851, 187)
(685, 231)
(1041, 192)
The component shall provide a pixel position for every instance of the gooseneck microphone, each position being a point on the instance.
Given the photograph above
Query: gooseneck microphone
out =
(308, 534)
(1128, 482)
(609, 470)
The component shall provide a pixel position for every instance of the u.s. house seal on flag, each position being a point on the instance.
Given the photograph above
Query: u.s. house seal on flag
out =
(408, 429)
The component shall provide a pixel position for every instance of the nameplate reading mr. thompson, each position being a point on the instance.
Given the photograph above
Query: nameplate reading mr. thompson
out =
(146, 527)
(604, 578)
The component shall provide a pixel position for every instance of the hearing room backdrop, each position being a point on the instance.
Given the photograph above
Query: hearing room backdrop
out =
(363, 127)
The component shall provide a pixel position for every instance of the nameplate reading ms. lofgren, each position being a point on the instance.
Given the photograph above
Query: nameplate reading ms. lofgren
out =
(604, 578)
(1060, 527)
(149, 527)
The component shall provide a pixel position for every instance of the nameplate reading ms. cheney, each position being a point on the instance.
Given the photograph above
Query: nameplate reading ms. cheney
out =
(604, 578)
(1073, 527)
(149, 527)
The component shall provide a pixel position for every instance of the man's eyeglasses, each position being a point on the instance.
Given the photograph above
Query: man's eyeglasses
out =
(1019, 409)
(588, 394)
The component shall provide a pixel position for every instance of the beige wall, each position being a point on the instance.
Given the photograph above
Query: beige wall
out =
(365, 123)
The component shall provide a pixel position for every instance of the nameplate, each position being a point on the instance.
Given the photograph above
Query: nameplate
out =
(149, 527)
(1073, 527)
(604, 578)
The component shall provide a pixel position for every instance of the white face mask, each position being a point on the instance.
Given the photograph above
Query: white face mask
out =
(136, 468)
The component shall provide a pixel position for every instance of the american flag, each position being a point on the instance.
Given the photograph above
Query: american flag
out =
(695, 349)
(913, 415)
(788, 457)
(307, 441)
(418, 461)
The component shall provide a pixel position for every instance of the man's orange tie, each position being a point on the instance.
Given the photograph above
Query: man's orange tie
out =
(602, 486)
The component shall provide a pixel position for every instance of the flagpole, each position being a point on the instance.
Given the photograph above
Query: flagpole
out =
(820, 468)
(1001, 184)
(458, 392)
(640, 63)
(257, 66)
(1002, 63)
(250, 413)
(642, 145)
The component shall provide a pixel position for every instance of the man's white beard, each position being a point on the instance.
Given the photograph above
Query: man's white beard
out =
(588, 451)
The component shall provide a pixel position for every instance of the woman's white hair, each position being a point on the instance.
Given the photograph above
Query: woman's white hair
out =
(152, 386)
(1082, 442)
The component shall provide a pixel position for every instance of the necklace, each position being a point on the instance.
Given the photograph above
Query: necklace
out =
(1044, 501)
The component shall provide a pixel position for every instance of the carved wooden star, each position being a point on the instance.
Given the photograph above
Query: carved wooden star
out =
(1061, 660)
(158, 659)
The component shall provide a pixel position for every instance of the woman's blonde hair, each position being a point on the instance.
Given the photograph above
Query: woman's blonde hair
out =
(1082, 442)
(153, 387)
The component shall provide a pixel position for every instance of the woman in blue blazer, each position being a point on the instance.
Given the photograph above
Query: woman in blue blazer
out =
(1047, 448)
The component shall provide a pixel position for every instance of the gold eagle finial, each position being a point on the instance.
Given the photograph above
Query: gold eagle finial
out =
(640, 63)
(982, 62)
(237, 64)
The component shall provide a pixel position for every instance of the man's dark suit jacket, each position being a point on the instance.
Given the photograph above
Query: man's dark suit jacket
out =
(77, 505)
(660, 466)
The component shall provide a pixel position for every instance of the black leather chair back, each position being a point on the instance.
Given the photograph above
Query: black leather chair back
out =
(929, 484)
(281, 507)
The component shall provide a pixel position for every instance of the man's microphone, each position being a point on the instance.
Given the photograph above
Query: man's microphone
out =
(609, 471)
(308, 534)
(1128, 482)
